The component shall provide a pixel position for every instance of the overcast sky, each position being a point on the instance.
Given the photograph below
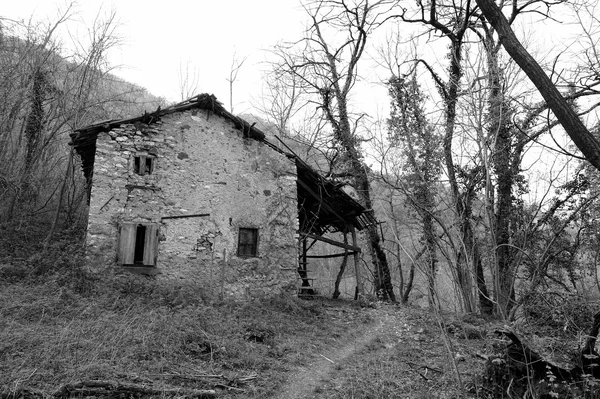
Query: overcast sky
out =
(159, 36)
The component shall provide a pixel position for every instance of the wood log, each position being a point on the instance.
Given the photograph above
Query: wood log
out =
(96, 387)
(107, 389)
(528, 363)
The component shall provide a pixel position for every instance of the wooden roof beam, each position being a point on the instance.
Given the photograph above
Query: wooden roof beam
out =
(321, 202)
(330, 241)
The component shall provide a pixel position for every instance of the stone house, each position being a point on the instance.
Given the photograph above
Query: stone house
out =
(193, 194)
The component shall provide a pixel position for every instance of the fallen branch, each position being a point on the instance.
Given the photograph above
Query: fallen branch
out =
(326, 358)
(423, 366)
(104, 388)
(530, 363)
(230, 388)
(250, 377)
(188, 376)
(522, 371)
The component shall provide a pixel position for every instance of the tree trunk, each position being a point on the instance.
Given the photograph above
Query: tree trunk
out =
(59, 205)
(499, 132)
(382, 276)
(338, 280)
(409, 284)
(583, 139)
(460, 200)
(35, 121)
(343, 134)
(429, 236)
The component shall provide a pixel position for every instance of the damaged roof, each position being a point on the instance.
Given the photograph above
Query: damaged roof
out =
(323, 205)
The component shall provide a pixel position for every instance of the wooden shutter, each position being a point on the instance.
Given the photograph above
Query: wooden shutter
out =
(247, 242)
(127, 243)
(150, 245)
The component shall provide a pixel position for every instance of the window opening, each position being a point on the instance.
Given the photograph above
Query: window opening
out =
(140, 239)
(247, 242)
(143, 165)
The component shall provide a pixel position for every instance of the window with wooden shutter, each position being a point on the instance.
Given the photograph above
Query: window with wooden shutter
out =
(138, 244)
(247, 242)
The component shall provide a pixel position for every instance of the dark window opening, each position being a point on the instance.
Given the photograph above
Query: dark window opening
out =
(248, 242)
(140, 239)
(143, 165)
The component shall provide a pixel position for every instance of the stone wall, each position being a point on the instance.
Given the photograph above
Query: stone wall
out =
(201, 165)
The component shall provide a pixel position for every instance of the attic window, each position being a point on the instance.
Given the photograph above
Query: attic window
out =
(143, 165)
(138, 244)
(248, 242)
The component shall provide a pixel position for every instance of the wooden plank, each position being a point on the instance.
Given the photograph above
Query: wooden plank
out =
(332, 242)
(137, 186)
(330, 256)
(150, 245)
(127, 243)
(197, 215)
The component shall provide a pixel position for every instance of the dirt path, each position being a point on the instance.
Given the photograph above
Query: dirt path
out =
(304, 381)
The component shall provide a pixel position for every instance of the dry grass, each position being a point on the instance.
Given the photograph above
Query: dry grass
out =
(406, 359)
(58, 327)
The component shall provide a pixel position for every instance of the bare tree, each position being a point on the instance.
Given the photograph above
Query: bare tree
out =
(410, 129)
(189, 78)
(453, 21)
(583, 139)
(325, 64)
(280, 101)
(236, 65)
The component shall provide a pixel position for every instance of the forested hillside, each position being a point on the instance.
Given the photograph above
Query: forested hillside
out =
(49, 87)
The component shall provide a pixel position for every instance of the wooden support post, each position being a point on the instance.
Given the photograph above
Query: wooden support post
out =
(359, 287)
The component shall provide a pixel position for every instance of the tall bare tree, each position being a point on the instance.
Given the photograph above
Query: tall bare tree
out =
(325, 64)
(453, 21)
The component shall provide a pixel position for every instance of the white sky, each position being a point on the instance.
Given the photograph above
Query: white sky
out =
(160, 36)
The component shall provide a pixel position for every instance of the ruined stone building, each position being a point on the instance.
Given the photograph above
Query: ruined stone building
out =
(194, 194)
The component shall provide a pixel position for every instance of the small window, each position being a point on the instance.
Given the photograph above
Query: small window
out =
(248, 243)
(143, 165)
(138, 244)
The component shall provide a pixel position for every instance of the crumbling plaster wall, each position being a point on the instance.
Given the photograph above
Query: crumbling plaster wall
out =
(203, 165)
